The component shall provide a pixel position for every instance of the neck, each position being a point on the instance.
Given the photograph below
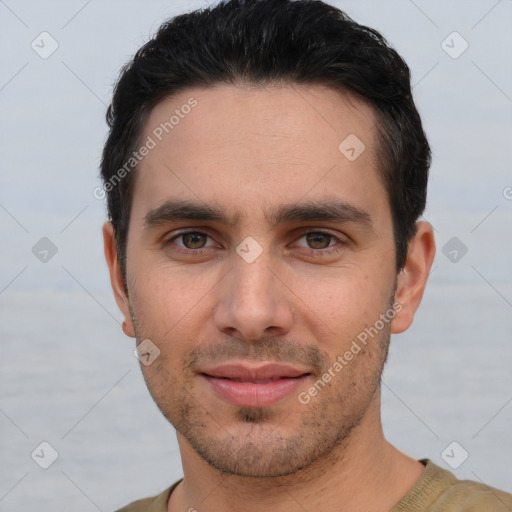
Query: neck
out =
(365, 472)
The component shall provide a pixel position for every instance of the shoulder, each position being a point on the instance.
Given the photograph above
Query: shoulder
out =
(440, 490)
(156, 503)
(472, 497)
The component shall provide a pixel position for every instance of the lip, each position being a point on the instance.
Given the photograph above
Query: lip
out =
(246, 386)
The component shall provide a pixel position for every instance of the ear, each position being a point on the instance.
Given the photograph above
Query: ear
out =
(412, 279)
(116, 277)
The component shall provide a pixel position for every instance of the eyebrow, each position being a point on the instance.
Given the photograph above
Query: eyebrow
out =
(335, 210)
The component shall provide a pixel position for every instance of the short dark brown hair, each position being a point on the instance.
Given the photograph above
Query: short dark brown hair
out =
(264, 42)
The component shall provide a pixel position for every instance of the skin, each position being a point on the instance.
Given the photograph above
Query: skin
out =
(247, 150)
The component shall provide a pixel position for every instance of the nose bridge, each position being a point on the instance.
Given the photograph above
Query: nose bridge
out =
(253, 285)
(252, 297)
(253, 280)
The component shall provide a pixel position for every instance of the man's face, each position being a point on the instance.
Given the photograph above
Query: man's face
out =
(229, 299)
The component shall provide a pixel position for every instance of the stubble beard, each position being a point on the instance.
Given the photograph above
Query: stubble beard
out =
(255, 443)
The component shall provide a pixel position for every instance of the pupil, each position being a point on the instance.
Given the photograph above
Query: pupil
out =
(191, 236)
(316, 237)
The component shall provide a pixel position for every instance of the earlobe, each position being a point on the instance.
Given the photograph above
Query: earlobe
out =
(128, 329)
(116, 278)
(412, 279)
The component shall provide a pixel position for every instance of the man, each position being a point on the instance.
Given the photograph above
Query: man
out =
(265, 171)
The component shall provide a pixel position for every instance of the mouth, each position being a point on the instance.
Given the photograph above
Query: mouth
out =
(246, 386)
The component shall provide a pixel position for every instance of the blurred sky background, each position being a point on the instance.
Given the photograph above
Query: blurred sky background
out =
(68, 375)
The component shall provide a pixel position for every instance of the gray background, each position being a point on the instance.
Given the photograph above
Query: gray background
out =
(68, 375)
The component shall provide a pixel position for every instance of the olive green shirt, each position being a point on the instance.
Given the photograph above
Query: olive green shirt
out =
(437, 490)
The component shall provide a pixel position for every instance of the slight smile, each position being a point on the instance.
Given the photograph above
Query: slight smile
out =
(245, 386)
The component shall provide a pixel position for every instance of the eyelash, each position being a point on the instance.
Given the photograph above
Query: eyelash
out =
(198, 252)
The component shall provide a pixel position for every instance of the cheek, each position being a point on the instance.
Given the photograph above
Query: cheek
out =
(342, 305)
(169, 301)
(163, 290)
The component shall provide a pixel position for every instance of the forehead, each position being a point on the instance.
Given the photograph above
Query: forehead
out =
(247, 145)
(249, 114)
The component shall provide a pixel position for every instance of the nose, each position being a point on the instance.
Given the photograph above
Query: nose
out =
(253, 301)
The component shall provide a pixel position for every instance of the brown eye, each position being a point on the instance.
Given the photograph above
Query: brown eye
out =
(194, 239)
(320, 244)
(318, 240)
(192, 243)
